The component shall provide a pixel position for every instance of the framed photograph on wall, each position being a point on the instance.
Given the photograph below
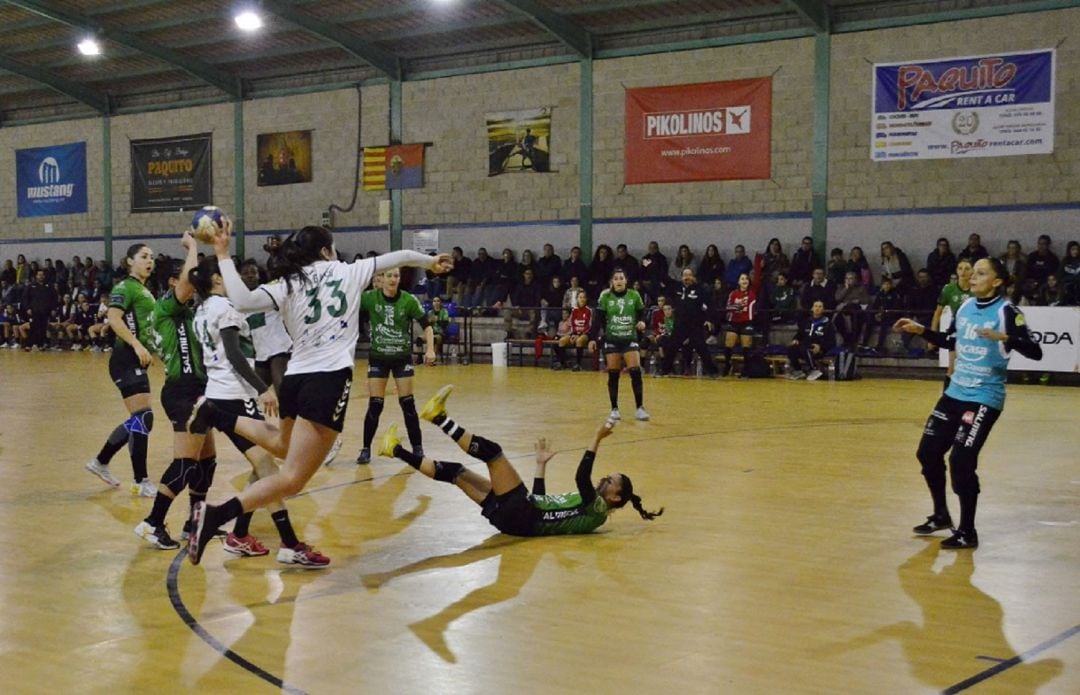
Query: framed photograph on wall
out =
(284, 158)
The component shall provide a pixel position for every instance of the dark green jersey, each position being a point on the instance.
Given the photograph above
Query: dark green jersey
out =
(391, 323)
(131, 296)
(175, 341)
(621, 314)
(952, 296)
(566, 514)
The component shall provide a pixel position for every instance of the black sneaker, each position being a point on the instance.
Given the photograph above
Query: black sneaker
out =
(933, 523)
(185, 533)
(961, 540)
(364, 456)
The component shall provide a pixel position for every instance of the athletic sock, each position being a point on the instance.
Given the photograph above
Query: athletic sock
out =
(284, 528)
(137, 443)
(116, 441)
(451, 428)
(580, 352)
(408, 456)
(371, 419)
(635, 384)
(160, 509)
(216, 517)
(613, 387)
(412, 420)
(243, 522)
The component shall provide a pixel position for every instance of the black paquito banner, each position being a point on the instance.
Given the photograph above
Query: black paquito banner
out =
(169, 174)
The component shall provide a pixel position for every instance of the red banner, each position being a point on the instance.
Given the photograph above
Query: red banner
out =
(712, 131)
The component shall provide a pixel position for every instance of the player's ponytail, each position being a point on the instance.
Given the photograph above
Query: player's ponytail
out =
(300, 250)
(1000, 272)
(627, 495)
(202, 275)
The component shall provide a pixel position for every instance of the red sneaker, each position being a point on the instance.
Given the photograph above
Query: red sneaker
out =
(304, 555)
(245, 546)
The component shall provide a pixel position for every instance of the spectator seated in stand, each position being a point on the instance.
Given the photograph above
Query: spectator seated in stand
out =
(848, 318)
(1070, 274)
(815, 339)
(783, 301)
(438, 317)
(9, 321)
(577, 334)
(883, 312)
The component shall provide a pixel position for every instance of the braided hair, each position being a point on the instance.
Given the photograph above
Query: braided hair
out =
(627, 495)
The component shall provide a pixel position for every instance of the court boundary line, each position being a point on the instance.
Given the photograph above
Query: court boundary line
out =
(1009, 663)
(192, 622)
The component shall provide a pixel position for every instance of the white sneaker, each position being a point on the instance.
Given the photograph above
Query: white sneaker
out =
(641, 414)
(332, 454)
(615, 415)
(814, 375)
(144, 488)
(102, 472)
(157, 537)
(75, 347)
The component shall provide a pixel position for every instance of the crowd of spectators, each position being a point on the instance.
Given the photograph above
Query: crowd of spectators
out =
(57, 305)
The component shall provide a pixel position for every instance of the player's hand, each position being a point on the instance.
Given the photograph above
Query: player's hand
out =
(187, 241)
(605, 429)
(991, 334)
(143, 354)
(592, 346)
(442, 263)
(640, 325)
(268, 403)
(429, 358)
(908, 326)
(221, 238)
(543, 451)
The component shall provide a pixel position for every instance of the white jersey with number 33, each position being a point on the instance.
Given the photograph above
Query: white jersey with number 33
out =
(320, 313)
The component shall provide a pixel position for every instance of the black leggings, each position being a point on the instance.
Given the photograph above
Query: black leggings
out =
(962, 426)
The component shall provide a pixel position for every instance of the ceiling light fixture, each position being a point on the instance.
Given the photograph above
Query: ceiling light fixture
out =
(248, 21)
(89, 47)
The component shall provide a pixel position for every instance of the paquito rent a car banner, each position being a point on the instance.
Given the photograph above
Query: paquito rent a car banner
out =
(982, 106)
(711, 131)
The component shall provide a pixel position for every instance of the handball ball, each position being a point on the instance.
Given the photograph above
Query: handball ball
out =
(206, 222)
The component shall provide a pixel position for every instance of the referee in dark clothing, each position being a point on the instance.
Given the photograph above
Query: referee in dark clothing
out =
(691, 322)
(41, 299)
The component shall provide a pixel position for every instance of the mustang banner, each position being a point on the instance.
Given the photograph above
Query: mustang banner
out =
(171, 174)
(982, 106)
(712, 131)
(51, 180)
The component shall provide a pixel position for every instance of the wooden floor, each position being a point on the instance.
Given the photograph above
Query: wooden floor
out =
(784, 562)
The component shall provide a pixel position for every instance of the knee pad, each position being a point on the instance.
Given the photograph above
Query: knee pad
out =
(407, 403)
(205, 478)
(448, 471)
(375, 406)
(635, 373)
(484, 449)
(181, 473)
(140, 422)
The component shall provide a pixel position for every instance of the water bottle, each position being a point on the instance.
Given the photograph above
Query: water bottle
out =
(697, 365)
(453, 355)
(652, 364)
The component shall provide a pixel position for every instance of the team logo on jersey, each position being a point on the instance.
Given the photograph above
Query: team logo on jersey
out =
(1019, 320)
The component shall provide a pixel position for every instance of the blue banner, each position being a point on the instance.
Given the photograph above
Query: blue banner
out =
(978, 106)
(51, 180)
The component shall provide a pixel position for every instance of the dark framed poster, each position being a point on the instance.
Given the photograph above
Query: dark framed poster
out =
(284, 158)
(169, 174)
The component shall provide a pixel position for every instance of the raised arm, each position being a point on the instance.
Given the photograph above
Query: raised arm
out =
(184, 289)
(243, 299)
(584, 471)
(543, 455)
(439, 264)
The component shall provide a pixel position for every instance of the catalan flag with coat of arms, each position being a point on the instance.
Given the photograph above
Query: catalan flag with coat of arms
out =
(393, 167)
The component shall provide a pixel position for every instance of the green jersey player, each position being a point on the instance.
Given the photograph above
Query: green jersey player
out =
(953, 295)
(130, 307)
(392, 312)
(502, 496)
(619, 318)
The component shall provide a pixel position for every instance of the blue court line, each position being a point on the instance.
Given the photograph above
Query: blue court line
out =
(193, 623)
(1009, 663)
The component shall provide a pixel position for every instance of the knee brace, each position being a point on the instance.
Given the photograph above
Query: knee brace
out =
(484, 449)
(448, 471)
(635, 373)
(181, 473)
(407, 403)
(205, 477)
(140, 422)
(375, 406)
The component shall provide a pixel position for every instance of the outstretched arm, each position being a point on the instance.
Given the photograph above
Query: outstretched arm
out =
(543, 455)
(584, 471)
(439, 264)
(242, 298)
